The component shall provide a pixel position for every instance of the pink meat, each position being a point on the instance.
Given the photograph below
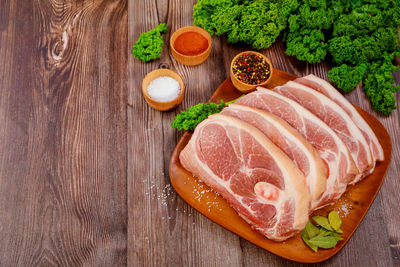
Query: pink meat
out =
(327, 89)
(289, 141)
(257, 179)
(332, 150)
(336, 118)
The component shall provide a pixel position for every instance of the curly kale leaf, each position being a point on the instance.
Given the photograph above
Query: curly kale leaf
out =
(257, 23)
(318, 17)
(203, 11)
(342, 50)
(161, 28)
(356, 24)
(365, 32)
(226, 19)
(263, 21)
(306, 44)
(379, 84)
(188, 120)
(287, 7)
(305, 36)
(347, 77)
(355, 34)
(266, 36)
(360, 37)
(149, 45)
(365, 48)
(316, 3)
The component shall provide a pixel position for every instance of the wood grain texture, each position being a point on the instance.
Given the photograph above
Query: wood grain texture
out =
(84, 161)
(63, 144)
(169, 232)
(163, 230)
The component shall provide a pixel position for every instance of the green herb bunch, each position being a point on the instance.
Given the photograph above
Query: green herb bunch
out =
(324, 236)
(360, 37)
(254, 22)
(149, 45)
(188, 120)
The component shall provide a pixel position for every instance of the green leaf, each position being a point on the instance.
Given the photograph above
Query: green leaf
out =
(347, 77)
(324, 232)
(306, 239)
(188, 120)
(323, 241)
(311, 230)
(335, 221)
(323, 222)
(339, 231)
(336, 236)
(149, 44)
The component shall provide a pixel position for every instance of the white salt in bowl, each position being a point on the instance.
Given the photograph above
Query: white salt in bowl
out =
(161, 105)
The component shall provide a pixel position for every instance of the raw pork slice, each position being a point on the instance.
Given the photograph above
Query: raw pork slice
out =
(258, 180)
(291, 142)
(327, 89)
(336, 118)
(332, 150)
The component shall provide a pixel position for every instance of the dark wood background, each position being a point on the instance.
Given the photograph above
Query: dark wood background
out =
(84, 160)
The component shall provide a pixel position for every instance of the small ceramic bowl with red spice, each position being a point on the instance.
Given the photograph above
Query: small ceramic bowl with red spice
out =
(250, 69)
(190, 45)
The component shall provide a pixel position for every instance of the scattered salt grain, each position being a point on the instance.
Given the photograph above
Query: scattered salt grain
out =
(165, 194)
(164, 89)
(344, 207)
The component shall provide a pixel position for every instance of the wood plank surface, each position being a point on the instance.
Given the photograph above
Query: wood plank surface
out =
(63, 159)
(84, 161)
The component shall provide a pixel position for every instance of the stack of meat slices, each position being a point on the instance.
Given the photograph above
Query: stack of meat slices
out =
(277, 155)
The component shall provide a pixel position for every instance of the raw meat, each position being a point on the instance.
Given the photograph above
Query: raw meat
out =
(336, 118)
(259, 181)
(327, 89)
(289, 141)
(332, 150)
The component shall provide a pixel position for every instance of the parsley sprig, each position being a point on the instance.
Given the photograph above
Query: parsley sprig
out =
(149, 45)
(188, 120)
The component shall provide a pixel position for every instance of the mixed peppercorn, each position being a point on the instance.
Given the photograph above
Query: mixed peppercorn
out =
(250, 68)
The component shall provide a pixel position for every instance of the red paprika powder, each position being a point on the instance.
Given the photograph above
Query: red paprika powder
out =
(191, 44)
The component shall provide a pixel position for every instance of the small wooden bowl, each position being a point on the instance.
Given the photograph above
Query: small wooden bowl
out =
(244, 87)
(190, 60)
(163, 106)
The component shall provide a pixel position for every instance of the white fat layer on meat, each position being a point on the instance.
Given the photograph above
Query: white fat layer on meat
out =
(333, 165)
(336, 96)
(356, 135)
(289, 190)
(288, 136)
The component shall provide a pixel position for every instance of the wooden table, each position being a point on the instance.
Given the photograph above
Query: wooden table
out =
(84, 160)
